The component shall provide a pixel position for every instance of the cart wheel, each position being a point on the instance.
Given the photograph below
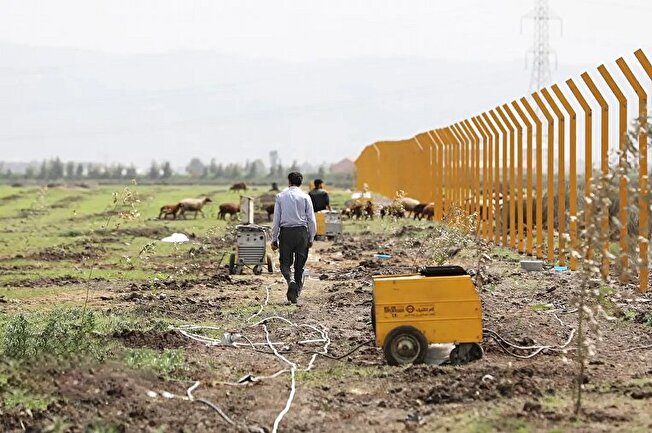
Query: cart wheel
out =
(270, 265)
(238, 269)
(258, 269)
(232, 264)
(405, 345)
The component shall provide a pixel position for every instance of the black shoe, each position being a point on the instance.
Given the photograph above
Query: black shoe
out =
(293, 292)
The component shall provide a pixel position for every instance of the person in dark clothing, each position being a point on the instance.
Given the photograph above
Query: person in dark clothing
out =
(320, 199)
(293, 231)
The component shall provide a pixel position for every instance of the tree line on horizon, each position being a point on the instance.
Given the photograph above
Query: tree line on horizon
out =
(254, 171)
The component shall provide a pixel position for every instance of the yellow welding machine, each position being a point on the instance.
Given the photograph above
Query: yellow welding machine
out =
(438, 304)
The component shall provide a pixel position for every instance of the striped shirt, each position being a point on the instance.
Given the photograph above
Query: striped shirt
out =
(293, 208)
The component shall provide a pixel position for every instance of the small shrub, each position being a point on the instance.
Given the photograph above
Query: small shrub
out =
(59, 334)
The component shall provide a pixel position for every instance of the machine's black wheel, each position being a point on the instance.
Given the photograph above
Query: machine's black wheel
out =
(465, 353)
(475, 352)
(405, 345)
(232, 264)
(258, 269)
(454, 357)
(270, 265)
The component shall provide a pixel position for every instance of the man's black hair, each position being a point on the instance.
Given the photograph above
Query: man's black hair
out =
(295, 178)
(318, 183)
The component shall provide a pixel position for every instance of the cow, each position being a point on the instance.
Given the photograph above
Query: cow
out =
(193, 205)
(240, 186)
(230, 209)
(170, 209)
(270, 211)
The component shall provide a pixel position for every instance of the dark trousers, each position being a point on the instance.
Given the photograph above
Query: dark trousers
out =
(293, 248)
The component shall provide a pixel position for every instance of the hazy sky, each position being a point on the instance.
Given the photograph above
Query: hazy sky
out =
(135, 80)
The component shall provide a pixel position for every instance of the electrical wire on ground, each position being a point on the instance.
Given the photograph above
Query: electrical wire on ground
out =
(507, 345)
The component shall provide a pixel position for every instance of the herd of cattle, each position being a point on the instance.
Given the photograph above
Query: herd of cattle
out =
(354, 209)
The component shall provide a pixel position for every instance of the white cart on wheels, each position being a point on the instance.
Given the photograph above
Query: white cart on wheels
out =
(251, 244)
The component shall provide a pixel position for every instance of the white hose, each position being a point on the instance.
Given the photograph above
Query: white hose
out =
(293, 368)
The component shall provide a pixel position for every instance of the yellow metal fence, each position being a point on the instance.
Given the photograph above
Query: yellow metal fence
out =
(492, 164)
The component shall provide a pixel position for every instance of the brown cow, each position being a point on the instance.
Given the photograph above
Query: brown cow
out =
(230, 209)
(428, 212)
(418, 209)
(169, 209)
(239, 186)
(270, 211)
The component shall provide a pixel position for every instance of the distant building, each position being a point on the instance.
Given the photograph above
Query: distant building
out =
(345, 166)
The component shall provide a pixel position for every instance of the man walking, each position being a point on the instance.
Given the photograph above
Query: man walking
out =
(320, 199)
(293, 231)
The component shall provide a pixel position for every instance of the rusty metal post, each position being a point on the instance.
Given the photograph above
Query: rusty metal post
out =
(572, 174)
(622, 139)
(528, 168)
(604, 145)
(496, 178)
(550, 190)
(561, 176)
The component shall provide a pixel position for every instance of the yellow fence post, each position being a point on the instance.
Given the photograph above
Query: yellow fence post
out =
(503, 208)
(470, 178)
(463, 168)
(622, 139)
(461, 174)
(506, 113)
(475, 169)
(439, 174)
(572, 174)
(550, 190)
(588, 148)
(528, 169)
(539, 164)
(518, 187)
(561, 176)
(643, 231)
(496, 177)
(484, 216)
(604, 157)
(493, 143)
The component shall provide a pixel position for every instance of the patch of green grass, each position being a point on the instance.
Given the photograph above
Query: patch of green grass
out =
(541, 307)
(505, 253)
(23, 293)
(553, 401)
(166, 362)
(21, 399)
(607, 304)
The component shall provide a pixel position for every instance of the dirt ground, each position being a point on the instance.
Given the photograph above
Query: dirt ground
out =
(131, 370)
(358, 392)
